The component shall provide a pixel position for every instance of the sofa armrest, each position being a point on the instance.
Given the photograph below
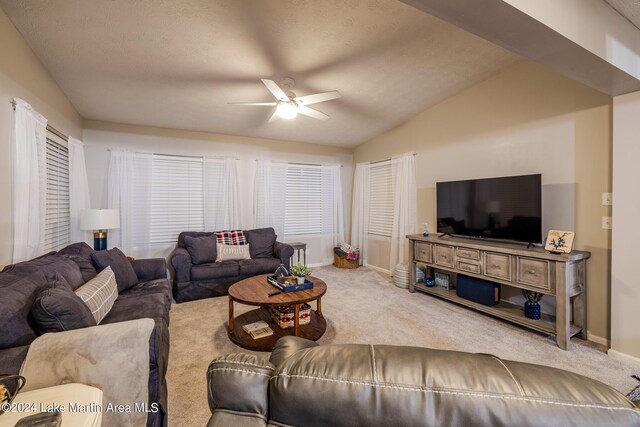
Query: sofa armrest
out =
(113, 357)
(181, 262)
(284, 252)
(11, 359)
(150, 269)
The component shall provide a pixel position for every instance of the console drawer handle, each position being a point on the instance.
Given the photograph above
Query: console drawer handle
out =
(532, 271)
(496, 266)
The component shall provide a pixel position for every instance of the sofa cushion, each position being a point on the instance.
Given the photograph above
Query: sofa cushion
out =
(232, 252)
(99, 293)
(17, 325)
(257, 266)
(58, 309)
(215, 270)
(162, 286)
(130, 307)
(184, 234)
(49, 265)
(114, 258)
(80, 253)
(202, 249)
(261, 241)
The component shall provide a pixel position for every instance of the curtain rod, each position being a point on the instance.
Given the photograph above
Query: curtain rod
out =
(388, 160)
(301, 164)
(50, 128)
(181, 155)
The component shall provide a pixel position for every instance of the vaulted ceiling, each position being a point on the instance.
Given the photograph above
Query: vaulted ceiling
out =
(178, 63)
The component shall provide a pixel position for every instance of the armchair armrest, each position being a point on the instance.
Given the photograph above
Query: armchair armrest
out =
(113, 357)
(150, 269)
(181, 262)
(284, 252)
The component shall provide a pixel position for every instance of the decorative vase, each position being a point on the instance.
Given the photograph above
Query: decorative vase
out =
(532, 310)
(281, 271)
(301, 280)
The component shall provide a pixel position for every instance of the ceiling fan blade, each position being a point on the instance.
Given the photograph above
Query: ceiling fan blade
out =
(274, 116)
(275, 90)
(312, 113)
(318, 97)
(270, 104)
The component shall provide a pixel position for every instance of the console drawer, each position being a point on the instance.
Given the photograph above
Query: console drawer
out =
(497, 265)
(422, 252)
(533, 272)
(444, 256)
(469, 267)
(473, 254)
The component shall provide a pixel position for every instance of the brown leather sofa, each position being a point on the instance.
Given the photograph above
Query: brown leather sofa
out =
(304, 384)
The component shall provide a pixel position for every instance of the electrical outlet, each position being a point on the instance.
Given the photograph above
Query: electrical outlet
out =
(606, 222)
(607, 199)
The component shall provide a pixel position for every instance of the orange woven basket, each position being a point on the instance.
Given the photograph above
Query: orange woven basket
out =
(343, 262)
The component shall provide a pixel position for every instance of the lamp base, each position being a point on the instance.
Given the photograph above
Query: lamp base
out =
(100, 240)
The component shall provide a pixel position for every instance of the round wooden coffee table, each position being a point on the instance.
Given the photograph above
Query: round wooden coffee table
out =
(255, 291)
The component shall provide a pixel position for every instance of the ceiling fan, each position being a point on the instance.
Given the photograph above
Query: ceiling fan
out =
(288, 105)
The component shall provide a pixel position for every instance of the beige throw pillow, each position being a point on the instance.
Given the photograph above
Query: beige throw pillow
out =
(99, 293)
(232, 252)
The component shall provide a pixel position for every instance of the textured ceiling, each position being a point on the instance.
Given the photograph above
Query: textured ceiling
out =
(177, 63)
(630, 9)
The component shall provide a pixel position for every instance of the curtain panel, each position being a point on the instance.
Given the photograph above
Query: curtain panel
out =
(78, 191)
(404, 208)
(360, 209)
(29, 183)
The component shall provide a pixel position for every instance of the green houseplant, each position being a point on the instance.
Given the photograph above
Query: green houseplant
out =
(532, 304)
(301, 272)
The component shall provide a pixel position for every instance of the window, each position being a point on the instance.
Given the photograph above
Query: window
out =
(57, 215)
(177, 201)
(381, 200)
(303, 206)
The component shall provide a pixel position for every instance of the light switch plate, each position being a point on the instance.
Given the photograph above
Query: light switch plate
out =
(607, 199)
(606, 222)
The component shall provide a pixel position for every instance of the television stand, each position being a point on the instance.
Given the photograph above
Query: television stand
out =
(561, 276)
(445, 234)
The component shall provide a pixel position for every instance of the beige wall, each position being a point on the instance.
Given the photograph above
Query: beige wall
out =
(524, 120)
(22, 76)
(101, 136)
(625, 285)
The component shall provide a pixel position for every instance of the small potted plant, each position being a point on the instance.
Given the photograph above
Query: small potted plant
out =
(301, 272)
(532, 305)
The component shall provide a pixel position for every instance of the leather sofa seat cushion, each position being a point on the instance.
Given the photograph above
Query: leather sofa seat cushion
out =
(80, 253)
(261, 242)
(114, 258)
(215, 270)
(202, 249)
(257, 266)
(57, 308)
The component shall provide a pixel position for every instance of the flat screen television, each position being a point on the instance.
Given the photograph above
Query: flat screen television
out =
(507, 208)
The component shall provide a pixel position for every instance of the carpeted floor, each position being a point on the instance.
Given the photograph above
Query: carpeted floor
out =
(363, 306)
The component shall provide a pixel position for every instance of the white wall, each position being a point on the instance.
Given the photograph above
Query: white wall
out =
(100, 137)
(625, 275)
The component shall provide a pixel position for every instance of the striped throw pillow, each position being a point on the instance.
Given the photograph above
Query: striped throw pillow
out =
(99, 293)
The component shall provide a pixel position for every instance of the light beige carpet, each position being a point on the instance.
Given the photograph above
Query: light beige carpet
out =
(363, 306)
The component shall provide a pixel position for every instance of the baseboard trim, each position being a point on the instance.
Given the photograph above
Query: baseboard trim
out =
(624, 357)
(598, 340)
(379, 269)
(320, 264)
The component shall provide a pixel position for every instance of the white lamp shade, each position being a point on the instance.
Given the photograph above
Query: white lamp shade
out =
(99, 219)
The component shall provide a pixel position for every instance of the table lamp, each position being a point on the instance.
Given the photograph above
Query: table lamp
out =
(99, 220)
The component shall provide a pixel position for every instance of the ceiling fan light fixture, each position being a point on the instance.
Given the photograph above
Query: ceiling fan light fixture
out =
(287, 110)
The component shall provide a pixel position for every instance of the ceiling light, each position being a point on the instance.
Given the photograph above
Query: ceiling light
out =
(287, 110)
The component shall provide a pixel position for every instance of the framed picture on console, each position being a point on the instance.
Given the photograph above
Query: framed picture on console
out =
(559, 241)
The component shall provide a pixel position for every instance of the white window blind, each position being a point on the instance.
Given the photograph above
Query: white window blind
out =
(303, 207)
(381, 200)
(177, 202)
(57, 214)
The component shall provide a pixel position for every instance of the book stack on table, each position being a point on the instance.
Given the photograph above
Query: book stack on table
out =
(257, 330)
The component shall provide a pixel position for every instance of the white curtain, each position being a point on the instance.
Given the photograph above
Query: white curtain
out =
(78, 190)
(129, 190)
(29, 138)
(404, 208)
(332, 209)
(360, 209)
(270, 192)
(221, 194)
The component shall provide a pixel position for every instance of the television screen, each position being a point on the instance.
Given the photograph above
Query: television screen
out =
(494, 208)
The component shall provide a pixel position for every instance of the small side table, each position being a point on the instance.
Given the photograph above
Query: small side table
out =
(297, 247)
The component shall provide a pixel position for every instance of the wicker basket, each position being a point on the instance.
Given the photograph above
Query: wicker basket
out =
(343, 262)
(284, 315)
